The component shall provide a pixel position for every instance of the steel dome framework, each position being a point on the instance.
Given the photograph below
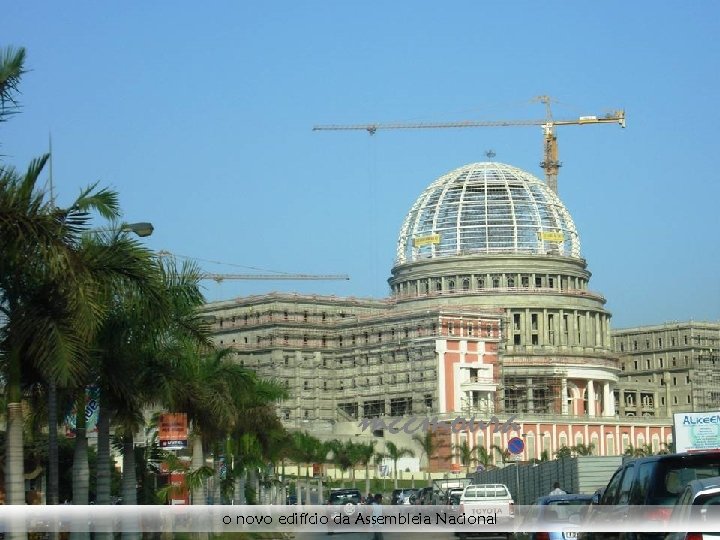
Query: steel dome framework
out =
(490, 208)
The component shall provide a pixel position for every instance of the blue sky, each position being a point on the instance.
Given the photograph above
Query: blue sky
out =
(201, 117)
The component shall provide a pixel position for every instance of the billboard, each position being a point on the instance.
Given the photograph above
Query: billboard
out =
(173, 431)
(695, 431)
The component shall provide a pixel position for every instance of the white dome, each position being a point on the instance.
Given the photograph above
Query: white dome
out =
(487, 208)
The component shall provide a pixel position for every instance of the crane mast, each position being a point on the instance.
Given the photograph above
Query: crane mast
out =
(550, 163)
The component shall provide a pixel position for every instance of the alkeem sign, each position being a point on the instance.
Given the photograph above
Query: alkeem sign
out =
(696, 431)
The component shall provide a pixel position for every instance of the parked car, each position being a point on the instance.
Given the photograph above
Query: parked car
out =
(655, 482)
(487, 499)
(554, 509)
(338, 498)
(693, 506)
(404, 496)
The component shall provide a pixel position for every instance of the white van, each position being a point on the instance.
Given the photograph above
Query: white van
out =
(488, 498)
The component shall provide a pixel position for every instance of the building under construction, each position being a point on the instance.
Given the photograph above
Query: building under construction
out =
(490, 312)
(669, 368)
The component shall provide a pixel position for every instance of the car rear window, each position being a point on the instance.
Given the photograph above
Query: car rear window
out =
(494, 492)
(345, 497)
(564, 510)
(673, 475)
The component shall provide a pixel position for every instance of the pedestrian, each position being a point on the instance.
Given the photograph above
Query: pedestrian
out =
(556, 490)
(377, 512)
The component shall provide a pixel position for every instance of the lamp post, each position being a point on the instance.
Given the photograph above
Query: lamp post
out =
(143, 229)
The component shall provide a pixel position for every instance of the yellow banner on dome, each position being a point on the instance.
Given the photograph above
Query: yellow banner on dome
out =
(550, 236)
(426, 240)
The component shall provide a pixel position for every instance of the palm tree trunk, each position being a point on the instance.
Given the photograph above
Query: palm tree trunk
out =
(103, 468)
(396, 473)
(129, 483)
(81, 469)
(53, 491)
(198, 460)
(103, 458)
(307, 488)
(14, 469)
(367, 477)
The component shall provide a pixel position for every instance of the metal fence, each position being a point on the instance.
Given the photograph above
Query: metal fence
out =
(527, 482)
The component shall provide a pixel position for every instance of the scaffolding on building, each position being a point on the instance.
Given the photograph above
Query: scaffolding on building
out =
(705, 380)
(532, 394)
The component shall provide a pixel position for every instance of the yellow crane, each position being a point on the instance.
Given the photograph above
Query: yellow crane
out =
(280, 276)
(550, 163)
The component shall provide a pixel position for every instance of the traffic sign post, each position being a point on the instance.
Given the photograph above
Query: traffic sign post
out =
(516, 446)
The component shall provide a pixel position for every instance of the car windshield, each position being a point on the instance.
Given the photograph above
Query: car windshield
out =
(674, 474)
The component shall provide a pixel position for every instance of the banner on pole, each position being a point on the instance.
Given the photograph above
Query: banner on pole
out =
(173, 431)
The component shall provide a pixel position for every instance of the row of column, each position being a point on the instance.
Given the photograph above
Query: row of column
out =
(562, 327)
(489, 281)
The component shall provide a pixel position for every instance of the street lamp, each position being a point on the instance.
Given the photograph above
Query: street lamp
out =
(142, 229)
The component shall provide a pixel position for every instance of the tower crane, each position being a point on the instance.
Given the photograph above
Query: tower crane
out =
(550, 163)
(281, 276)
(276, 277)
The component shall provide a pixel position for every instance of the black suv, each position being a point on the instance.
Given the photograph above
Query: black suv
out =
(654, 481)
(344, 496)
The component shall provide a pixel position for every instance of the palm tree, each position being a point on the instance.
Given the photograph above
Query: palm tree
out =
(428, 446)
(12, 62)
(394, 453)
(638, 451)
(503, 452)
(46, 285)
(258, 420)
(484, 457)
(341, 457)
(146, 320)
(366, 453)
(306, 451)
(207, 386)
(581, 449)
(45, 289)
(465, 453)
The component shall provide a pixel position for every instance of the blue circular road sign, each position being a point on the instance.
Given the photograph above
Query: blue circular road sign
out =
(516, 445)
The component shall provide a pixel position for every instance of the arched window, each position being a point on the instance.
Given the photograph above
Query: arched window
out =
(481, 283)
(466, 284)
(451, 285)
(510, 281)
(609, 445)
